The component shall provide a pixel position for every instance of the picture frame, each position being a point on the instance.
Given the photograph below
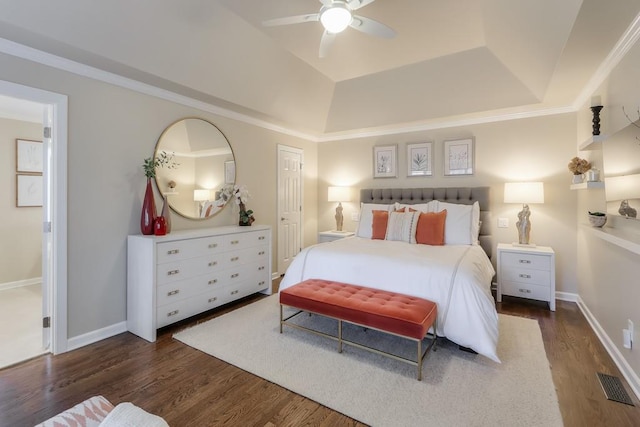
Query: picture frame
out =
(385, 161)
(28, 191)
(29, 156)
(459, 157)
(229, 172)
(419, 159)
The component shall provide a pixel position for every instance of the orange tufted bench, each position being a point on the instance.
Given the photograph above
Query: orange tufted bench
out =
(398, 314)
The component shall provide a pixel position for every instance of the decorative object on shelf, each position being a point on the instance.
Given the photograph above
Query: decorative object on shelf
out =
(578, 168)
(593, 175)
(623, 188)
(339, 194)
(597, 219)
(458, 157)
(149, 214)
(165, 213)
(241, 196)
(172, 186)
(525, 193)
(160, 226)
(385, 164)
(626, 210)
(596, 118)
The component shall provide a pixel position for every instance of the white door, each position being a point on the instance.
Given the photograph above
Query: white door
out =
(47, 242)
(290, 162)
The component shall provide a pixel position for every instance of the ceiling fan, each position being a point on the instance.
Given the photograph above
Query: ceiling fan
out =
(335, 16)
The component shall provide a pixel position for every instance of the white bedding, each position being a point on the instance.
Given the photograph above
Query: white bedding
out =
(456, 277)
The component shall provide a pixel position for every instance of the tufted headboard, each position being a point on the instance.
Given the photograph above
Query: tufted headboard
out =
(460, 195)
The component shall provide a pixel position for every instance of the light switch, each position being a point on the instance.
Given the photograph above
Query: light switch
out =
(503, 222)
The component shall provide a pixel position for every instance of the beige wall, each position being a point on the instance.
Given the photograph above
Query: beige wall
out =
(608, 274)
(111, 130)
(535, 149)
(20, 228)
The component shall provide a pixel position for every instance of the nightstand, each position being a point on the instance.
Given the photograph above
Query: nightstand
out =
(329, 236)
(527, 272)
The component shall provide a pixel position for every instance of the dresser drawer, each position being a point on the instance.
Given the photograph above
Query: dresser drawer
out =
(245, 240)
(246, 256)
(524, 260)
(525, 275)
(526, 290)
(184, 269)
(189, 248)
(183, 289)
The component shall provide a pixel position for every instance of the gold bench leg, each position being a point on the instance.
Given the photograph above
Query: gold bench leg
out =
(281, 318)
(339, 336)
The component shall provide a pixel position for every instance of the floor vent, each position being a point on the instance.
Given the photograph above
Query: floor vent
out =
(613, 389)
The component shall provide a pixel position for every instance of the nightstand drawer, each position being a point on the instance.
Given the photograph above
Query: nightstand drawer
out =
(524, 260)
(526, 290)
(523, 275)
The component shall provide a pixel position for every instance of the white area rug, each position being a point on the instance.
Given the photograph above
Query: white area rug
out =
(457, 388)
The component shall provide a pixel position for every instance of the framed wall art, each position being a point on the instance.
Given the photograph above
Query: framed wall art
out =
(385, 163)
(229, 172)
(28, 190)
(28, 156)
(419, 160)
(458, 157)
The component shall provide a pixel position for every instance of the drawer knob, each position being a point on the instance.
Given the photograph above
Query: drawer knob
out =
(212, 263)
(525, 276)
(260, 283)
(214, 299)
(173, 251)
(213, 245)
(234, 275)
(235, 258)
(177, 291)
(524, 261)
(525, 291)
(234, 242)
(234, 292)
(173, 313)
(213, 281)
(172, 272)
(261, 253)
(261, 268)
(261, 238)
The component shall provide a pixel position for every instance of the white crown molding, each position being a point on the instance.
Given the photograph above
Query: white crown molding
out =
(623, 45)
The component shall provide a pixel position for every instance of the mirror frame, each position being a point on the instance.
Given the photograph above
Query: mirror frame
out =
(157, 150)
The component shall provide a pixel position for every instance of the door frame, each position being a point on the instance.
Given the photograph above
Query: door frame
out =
(280, 148)
(56, 105)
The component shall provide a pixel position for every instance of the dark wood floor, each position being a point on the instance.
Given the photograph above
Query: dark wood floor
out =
(190, 388)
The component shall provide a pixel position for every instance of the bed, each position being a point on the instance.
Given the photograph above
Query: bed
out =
(456, 275)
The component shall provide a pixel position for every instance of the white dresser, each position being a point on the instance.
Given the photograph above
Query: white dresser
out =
(172, 277)
(527, 272)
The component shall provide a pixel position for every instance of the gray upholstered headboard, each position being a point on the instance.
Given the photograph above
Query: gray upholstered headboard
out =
(461, 195)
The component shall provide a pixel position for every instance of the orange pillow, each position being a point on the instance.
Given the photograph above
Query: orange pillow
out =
(380, 219)
(430, 229)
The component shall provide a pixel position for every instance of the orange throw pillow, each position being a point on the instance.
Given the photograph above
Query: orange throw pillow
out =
(430, 229)
(380, 219)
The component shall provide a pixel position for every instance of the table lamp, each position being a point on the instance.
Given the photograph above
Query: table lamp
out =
(624, 188)
(525, 193)
(201, 196)
(339, 194)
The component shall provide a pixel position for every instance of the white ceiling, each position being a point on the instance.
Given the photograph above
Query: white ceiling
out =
(450, 59)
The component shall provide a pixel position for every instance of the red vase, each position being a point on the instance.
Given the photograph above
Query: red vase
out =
(160, 226)
(148, 215)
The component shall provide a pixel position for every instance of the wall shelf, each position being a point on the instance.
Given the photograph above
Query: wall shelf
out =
(628, 241)
(594, 142)
(586, 185)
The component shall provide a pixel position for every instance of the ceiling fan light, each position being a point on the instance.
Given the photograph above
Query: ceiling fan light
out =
(335, 18)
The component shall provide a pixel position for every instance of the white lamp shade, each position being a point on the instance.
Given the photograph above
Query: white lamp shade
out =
(339, 194)
(201, 195)
(622, 187)
(524, 192)
(336, 18)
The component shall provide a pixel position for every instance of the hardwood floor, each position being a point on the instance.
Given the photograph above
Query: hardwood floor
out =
(190, 388)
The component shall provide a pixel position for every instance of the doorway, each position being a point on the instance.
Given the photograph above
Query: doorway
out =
(290, 199)
(48, 188)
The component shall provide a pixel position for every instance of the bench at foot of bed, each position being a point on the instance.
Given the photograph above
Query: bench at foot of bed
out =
(406, 316)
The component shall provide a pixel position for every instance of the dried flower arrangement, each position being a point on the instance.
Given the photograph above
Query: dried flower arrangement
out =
(578, 166)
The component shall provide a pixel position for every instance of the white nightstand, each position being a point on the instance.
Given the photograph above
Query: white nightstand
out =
(328, 236)
(527, 272)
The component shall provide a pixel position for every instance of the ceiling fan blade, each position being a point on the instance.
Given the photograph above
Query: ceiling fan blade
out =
(325, 43)
(299, 19)
(372, 27)
(357, 4)
(326, 2)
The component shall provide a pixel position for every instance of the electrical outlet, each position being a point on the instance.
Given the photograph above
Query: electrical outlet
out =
(355, 216)
(503, 222)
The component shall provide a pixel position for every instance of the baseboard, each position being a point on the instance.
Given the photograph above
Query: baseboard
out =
(20, 283)
(567, 296)
(628, 372)
(275, 275)
(95, 336)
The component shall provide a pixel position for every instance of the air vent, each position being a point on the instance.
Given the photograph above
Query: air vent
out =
(613, 389)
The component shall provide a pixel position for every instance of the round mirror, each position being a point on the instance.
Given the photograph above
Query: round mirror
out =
(204, 165)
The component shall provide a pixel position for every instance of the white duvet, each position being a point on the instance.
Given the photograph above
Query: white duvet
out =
(456, 277)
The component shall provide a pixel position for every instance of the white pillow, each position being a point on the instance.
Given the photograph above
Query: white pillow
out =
(431, 206)
(462, 224)
(365, 226)
(402, 226)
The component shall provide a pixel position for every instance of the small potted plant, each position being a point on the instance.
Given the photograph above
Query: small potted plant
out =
(597, 219)
(578, 168)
